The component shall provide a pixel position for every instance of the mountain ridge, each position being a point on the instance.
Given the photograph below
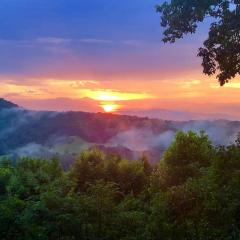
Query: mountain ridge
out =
(131, 135)
(7, 104)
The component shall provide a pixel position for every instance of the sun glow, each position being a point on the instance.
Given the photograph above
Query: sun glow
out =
(109, 107)
(111, 95)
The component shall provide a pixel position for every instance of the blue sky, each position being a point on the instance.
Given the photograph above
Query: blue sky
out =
(77, 18)
(98, 37)
(72, 49)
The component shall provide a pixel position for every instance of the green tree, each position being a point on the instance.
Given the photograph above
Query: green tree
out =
(33, 176)
(100, 203)
(185, 158)
(88, 168)
(221, 51)
(132, 218)
(192, 194)
(11, 209)
(6, 171)
(58, 214)
(176, 192)
(223, 205)
(132, 176)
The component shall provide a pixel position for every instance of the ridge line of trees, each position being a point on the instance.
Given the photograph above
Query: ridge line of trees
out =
(193, 193)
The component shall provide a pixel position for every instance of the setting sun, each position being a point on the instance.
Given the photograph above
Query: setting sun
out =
(109, 107)
(111, 95)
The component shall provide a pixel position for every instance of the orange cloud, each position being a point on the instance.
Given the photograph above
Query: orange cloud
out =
(113, 95)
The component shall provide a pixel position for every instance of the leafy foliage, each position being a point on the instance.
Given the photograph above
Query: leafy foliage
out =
(193, 193)
(221, 51)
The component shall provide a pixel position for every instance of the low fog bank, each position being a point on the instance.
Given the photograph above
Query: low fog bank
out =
(220, 132)
(136, 140)
(28, 133)
(142, 140)
(11, 119)
(176, 115)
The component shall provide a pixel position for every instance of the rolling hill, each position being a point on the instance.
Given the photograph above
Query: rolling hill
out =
(41, 133)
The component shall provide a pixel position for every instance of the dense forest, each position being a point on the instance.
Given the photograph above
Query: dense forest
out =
(192, 193)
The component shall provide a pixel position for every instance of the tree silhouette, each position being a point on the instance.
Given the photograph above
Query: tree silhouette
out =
(221, 51)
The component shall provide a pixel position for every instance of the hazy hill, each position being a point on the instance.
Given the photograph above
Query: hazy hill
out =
(6, 104)
(24, 132)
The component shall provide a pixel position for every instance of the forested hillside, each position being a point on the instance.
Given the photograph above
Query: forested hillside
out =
(66, 134)
(193, 193)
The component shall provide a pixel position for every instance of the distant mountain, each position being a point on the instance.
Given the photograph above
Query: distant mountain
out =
(178, 115)
(61, 104)
(6, 104)
(43, 133)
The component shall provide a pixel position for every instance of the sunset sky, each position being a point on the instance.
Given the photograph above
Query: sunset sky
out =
(96, 55)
